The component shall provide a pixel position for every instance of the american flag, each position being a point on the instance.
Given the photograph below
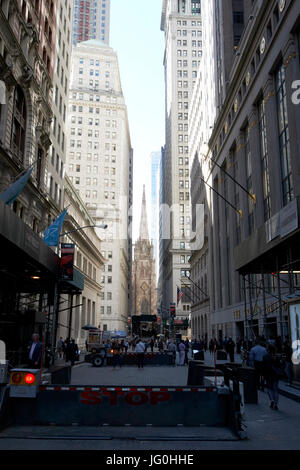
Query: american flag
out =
(179, 295)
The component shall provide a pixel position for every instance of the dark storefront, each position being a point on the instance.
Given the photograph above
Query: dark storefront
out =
(29, 271)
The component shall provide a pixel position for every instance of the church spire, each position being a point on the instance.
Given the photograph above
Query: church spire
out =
(144, 234)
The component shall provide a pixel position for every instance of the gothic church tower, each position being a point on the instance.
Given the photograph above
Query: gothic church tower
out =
(143, 270)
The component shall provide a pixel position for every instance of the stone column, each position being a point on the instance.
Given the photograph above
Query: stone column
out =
(241, 177)
(256, 167)
(291, 68)
(273, 145)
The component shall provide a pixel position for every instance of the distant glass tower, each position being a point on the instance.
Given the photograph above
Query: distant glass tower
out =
(155, 166)
(91, 20)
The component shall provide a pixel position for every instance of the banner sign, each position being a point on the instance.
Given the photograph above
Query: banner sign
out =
(67, 261)
(283, 223)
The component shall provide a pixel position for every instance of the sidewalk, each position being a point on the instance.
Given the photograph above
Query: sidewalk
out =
(290, 391)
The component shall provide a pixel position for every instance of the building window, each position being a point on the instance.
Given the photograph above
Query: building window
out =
(264, 160)
(284, 139)
(19, 123)
(249, 183)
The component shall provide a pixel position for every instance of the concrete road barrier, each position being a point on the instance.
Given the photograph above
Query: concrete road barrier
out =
(150, 359)
(118, 406)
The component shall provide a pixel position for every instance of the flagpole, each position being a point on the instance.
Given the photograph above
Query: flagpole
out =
(55, 300)
(238, 211)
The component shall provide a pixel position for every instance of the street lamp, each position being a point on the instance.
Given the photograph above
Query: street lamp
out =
(81, 228)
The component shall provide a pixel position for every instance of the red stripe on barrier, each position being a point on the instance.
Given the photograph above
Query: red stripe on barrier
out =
(126, 389)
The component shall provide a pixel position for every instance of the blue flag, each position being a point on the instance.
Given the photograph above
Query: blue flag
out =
(51, 235)
(12, 192)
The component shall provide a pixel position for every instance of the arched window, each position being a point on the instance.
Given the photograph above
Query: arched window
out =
(24, 9)
(19, 123)
(46, 26)
(145, 307)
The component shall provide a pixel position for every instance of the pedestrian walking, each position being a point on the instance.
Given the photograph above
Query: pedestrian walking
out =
(256, 356)
(230, 349)
(239, 345)
(60, 344)
(35, 352)
(152, 344)
(181, 349)
(116, 349)
(288, 353)
(187, 348)
(140, 350)
(272, 372)
(160, 346)
(172, 349)
(67, 349)
(146, 346)
(73, 352)
(211, 346)
(126, 345)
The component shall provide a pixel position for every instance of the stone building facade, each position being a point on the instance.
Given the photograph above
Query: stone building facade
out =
(79, 308)
(26, 71)
(99, 164)
(182, 26)
(252, 161)
(29, 269)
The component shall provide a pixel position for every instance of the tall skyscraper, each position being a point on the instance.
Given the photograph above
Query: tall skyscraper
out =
(91, 20)
(181, 23)
(100, 167)
(155, 168)
(61, 81)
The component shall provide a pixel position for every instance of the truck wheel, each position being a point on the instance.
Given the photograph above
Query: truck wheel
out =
(98, 361)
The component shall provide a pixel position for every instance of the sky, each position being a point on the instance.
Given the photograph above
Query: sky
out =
(136, 36)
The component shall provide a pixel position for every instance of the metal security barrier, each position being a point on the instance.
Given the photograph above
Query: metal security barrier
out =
(131, 406)
(150, 359)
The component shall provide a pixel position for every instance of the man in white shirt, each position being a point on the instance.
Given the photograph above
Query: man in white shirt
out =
(172, 348)
(140, 350)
